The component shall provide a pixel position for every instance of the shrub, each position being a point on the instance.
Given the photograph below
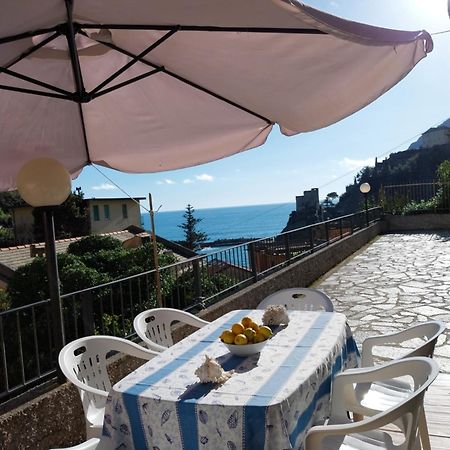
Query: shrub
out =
(92, 244)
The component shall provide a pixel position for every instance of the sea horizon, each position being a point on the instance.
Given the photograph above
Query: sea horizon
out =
(230, 222)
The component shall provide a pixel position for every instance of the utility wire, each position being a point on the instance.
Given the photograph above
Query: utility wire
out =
(121, 189)
(378, 156)
(275, 208)
(440, 32)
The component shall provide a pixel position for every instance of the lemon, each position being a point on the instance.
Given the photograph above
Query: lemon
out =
(265, 331)
(258, 338)
(227, 336)
(237, 328)
(255, 326)
(246, 321)
(240, 339)
(250, 334)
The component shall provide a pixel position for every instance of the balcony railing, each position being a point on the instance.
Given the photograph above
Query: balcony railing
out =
(27, 355)
(416, 198)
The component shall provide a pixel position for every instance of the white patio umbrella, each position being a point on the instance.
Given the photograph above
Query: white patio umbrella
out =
(153, 85)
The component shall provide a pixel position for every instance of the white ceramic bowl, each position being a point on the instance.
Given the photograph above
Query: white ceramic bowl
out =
(246, 349)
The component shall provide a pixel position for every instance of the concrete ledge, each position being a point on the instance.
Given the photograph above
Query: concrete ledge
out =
(417, 222)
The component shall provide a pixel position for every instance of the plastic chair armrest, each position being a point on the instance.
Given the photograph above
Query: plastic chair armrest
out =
(140, 352)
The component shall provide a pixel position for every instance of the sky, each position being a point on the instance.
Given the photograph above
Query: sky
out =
(328, 158)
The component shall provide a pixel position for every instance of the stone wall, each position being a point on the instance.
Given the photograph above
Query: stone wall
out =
(56, 419)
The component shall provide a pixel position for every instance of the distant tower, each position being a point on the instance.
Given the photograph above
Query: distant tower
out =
(309, 200)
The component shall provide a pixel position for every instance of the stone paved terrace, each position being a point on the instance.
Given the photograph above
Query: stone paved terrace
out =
(396, 281)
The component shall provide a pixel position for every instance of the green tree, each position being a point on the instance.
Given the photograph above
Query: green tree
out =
(29, 283)
(193, 238)
(443, 172)
(71, 218)
(8, 201)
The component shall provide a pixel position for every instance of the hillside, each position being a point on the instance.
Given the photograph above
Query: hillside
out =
(417, 164)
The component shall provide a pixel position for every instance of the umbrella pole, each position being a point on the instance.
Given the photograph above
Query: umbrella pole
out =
(155, 254)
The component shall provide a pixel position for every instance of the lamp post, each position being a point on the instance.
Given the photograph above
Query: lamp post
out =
(155, 253)
(46, 183)
(365, 189)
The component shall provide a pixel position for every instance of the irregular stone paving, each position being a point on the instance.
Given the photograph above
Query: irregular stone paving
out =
(396, 281)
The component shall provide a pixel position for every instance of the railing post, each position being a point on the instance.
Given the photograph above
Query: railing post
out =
(327, 234)
(197, 281)
(87, 313)
(252, 258)
(287, 249)
(351, 224)
(311, 239)
(340, 228)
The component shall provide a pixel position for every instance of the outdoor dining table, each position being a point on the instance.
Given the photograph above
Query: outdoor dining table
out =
(269, 402)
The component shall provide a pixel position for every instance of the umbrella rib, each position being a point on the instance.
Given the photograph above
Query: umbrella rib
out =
(186, 81)
(18, 37)
(203, 28)
(132, 61)
(34, 81)
(32, 49)
(34, 92)
(125, 83)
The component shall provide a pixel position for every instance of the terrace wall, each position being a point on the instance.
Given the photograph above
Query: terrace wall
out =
(56, 419)
(417, 222)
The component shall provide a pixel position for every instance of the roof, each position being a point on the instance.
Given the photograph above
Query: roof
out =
(11, 258)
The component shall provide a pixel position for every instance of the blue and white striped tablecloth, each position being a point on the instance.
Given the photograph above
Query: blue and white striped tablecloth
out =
(269, 403)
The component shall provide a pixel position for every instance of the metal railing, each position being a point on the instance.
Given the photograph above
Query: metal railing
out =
(27, 355)
(416, 198)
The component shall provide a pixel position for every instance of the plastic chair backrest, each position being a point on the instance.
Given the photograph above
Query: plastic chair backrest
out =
(83, 362)
(154, 326)
(427, 331)
(301, 299)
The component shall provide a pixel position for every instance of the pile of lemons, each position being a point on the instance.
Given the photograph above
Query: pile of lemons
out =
(246, 332)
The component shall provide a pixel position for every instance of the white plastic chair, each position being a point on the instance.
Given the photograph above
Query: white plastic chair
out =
(154, 326)
(91, 444)
(301, 299)
(373, 398)
(341, 433)
(83, 362)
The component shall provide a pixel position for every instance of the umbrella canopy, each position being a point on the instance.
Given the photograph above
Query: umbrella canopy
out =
(153, 85)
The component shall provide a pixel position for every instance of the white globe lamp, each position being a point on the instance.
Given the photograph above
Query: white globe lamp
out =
(43, 182)
(364, 188)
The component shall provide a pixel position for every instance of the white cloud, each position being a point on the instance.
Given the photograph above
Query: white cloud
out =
(104, 187)
(166, 181)
(187, 181)
(204, 177)
(354, 164)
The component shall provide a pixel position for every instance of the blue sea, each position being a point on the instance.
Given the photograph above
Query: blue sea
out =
(255, 221)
